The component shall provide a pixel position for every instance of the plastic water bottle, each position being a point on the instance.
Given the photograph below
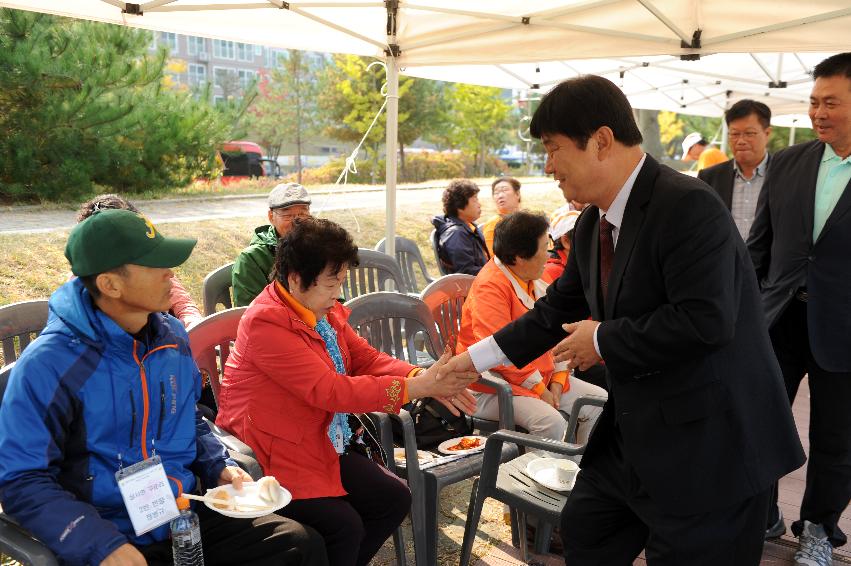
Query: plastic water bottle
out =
(186, 536)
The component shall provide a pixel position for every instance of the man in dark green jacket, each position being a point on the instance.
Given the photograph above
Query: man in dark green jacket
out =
(252, 268)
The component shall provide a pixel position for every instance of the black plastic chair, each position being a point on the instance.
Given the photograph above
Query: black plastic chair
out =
(385, 320)
(217, 289)
(15, 542)
(410, 260)
(509, 484)
(20, 323)
(374, 272)
(445, 298)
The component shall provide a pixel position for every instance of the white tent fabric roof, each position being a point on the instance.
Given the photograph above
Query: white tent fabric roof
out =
(449, 32)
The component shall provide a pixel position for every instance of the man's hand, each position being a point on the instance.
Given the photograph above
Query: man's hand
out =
(462, 363)
(555, 390)
(578, 348)
(235, 476)
(450, 383)
(464, 402)
(125, 555)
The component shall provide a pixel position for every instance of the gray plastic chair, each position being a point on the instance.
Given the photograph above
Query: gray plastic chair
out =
(19, 322)
(210, 341)
(385, 320)
(376, 269)
(509, 484)
(433, 239)
(217, 289)
(15, 542)
(410, 259)
(445, 298)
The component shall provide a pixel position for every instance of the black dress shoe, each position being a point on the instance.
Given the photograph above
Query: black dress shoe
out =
(778, 529)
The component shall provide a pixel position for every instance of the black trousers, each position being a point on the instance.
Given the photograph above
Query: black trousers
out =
(356, 525)
(609, 518)
(270, 540)
(828, 488)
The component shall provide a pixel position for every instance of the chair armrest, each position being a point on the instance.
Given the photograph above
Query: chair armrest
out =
(585, 400)
(409, 438)
(505, 398)
(18, 544)
(230, 441)
(381, 422)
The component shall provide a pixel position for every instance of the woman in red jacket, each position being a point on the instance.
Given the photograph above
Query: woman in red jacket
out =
(295, 374)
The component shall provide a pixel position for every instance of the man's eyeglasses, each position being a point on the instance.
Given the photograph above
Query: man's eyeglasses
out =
(286, 216)
(749, 135)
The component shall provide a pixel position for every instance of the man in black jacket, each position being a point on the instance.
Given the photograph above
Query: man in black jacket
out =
(697, 426)
(739, 180)
(801, 249)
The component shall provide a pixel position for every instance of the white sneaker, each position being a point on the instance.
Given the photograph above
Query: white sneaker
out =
(815, 549)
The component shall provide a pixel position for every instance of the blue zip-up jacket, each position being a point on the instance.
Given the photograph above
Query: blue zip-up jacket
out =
(84, 399)
(460, 248)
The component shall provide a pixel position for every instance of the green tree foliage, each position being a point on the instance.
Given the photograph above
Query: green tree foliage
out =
(84, 104)
(286, 108)
(481, 119)
(351, 96)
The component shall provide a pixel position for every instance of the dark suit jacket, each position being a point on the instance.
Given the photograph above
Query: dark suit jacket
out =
(785, 256)
(720, 177)
(694, 387)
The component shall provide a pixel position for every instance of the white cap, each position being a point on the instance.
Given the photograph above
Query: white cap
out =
(690, 140)
(562, 221)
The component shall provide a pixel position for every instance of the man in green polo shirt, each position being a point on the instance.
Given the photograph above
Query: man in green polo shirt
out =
(252, 270)
(800, 244)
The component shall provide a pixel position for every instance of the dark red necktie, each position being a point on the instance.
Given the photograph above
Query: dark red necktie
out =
(607, 254)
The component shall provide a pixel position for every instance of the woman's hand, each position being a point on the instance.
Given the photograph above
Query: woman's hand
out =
(464, 402)
(452, 383)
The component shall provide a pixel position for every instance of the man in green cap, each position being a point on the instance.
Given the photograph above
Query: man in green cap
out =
(98, 427)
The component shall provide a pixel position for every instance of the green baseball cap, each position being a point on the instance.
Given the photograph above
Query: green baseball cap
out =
(112, 238)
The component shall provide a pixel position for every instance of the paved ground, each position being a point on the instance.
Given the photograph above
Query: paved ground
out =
(776, 553)
(34, 219)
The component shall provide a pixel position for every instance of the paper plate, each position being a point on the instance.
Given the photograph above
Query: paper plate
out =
(557, 474)
(444, 446)
(249, 494)
(422, 456)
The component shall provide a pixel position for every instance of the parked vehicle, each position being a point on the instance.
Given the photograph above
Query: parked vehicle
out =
(242, 160)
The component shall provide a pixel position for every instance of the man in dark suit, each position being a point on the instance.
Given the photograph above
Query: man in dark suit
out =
(739, 180)
(801, 249)
(697, 426)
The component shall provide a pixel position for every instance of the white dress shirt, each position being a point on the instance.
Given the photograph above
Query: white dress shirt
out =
(485, 353)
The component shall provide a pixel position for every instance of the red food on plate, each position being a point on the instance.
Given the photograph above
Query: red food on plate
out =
(466, 444)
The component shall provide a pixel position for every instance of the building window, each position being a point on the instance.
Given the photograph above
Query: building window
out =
(258, 50)
(273, 58)
(218, 100)
(197, 75)
(197, 45)
(224, 49)
(246, 78)
(245, 52)
(170, 40)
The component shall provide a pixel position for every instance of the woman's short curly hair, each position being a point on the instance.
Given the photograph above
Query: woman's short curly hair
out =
(457, 195)
(309, 247)
(106, 201)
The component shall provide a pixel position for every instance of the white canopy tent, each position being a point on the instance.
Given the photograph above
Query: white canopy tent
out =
(422, 35)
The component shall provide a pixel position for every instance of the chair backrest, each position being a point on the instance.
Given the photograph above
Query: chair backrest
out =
(433, 239)
(372, 275)
(217, 289)
(410, 258)
(396, 324)
(210, 341)
(20, 323)
(445, 298)
(5, 372)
